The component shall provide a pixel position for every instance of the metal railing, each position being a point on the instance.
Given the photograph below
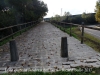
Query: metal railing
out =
(82, 26)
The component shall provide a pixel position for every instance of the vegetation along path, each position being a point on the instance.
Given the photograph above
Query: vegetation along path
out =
(39, 49)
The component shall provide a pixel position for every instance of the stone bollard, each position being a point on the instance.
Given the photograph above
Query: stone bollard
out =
(64, 47)
(13, 51)
(82, 35)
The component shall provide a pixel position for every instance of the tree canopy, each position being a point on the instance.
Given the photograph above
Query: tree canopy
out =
(56, 18)
(19, 11)
(87, 18)
(2, 4)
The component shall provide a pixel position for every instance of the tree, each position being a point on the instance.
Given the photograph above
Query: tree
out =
(21, 11)
(66, 16)
(7, 17)
(2, 4)
(52, 18)
(57, 17)
(84, 17)
(29, 9)
(97, 10)
(88, 18)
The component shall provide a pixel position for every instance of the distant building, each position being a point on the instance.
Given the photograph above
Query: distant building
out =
(46, 19)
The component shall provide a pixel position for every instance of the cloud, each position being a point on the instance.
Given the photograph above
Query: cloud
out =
(73, 6)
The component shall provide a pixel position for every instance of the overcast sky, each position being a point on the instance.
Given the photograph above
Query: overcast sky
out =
(73, 6)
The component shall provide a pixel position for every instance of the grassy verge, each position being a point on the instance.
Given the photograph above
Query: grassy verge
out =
(15, 35)
(52, 73)
(89, 40)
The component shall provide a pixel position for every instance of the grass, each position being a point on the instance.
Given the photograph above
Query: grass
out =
(78, 71)
(14, 35)
(52, 73)
(89, 40)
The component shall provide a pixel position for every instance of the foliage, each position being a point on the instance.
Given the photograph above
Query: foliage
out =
(2, 4)
(19, 11)
(7, 18)
(56, 18)
(87, 18)
(13, 12)
(97, 10)
(60, 18)
(66, 15)
(52, 73)
(91, 41)
(30, 9)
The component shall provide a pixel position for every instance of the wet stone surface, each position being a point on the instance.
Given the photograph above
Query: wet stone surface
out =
(39, 49)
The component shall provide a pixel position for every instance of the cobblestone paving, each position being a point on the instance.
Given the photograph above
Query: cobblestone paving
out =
(39, 49)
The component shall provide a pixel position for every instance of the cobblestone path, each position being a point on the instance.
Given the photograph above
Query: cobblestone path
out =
(39, 49)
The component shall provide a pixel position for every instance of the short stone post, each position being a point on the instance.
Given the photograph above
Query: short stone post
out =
(13, 51)
(64, 47)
